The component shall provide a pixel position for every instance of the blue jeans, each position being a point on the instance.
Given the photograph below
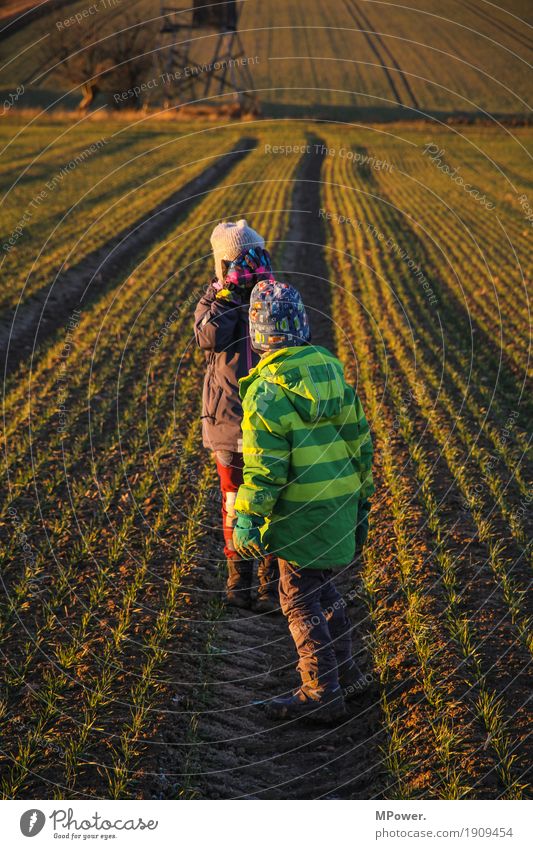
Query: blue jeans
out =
(319, 625)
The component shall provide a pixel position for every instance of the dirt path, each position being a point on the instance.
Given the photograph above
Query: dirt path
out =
(220, 744)
(41, 314)
(231, 750)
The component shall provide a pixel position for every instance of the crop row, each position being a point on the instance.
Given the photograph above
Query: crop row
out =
(459, 444)
(367, 301)
(64, 209)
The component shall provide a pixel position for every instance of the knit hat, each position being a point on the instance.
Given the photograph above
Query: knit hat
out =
(277, 316)
(231, 238)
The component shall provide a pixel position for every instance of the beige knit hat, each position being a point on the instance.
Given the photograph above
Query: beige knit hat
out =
(229, 239)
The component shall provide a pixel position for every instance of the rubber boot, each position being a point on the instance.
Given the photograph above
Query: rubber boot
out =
(239, 583)
(268, 590)
(327, 707)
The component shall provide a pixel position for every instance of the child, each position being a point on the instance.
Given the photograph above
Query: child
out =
(307, 476)
(221, 330)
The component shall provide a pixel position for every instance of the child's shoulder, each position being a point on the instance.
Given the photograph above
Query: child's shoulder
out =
(207, 295)
(264, 389)
(265, 397)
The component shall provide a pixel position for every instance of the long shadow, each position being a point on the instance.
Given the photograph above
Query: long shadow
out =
(302, 256)
(39, 317)
(303, 265)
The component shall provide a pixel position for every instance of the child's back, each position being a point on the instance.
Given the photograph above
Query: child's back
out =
(308, 456)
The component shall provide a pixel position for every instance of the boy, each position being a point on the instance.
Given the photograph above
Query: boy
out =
(221, 330)
(307, 480)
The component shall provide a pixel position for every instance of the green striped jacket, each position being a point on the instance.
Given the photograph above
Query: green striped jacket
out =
(307, 456)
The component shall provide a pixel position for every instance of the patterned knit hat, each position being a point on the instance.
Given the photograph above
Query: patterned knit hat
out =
(231, 238)
(277, 316)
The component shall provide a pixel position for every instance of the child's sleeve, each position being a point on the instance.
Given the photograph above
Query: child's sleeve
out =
(266, 452)
(214, 322)
(356, 432)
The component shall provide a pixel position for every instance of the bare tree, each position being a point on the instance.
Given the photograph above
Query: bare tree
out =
(114, 56)
(132, 56)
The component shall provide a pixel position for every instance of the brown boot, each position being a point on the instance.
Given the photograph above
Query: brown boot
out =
(327, 707)
(239, 583)
(354, 682)
(267, 592)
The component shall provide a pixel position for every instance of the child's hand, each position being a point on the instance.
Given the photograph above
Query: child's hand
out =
(361, 531)
(230, 294)
(247, 537)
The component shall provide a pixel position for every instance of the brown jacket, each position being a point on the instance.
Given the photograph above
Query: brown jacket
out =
(221, 330)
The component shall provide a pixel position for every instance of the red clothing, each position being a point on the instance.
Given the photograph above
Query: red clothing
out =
(229, 468)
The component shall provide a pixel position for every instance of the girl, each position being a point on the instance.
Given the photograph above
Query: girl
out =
(221, 330)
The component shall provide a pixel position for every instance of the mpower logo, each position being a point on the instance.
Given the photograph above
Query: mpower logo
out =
(32, 822)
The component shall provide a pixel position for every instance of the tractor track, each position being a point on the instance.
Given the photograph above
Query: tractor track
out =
(380, 51)
(503, 27)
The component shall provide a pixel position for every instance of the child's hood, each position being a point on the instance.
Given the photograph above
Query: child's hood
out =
(311, 378)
